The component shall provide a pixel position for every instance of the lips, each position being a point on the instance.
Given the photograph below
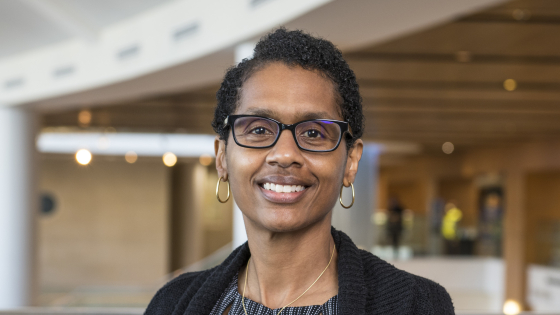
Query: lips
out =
(283, 189)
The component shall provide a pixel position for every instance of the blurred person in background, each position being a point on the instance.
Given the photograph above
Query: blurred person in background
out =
(490, 224)
(449, 228)
(395, 224)
(289, 122)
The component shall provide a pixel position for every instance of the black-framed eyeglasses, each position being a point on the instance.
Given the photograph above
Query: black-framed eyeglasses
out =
(315, 135)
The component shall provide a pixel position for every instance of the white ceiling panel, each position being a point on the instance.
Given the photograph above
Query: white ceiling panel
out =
(22, 28)
(102, 13)
(31, 24)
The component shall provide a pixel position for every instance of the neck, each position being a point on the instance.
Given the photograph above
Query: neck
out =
(283, 265)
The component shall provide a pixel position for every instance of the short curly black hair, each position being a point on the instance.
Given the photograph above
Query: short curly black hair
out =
(293, 48)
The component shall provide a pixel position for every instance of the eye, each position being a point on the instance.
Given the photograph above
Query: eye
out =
(259, 131)
(313, 133)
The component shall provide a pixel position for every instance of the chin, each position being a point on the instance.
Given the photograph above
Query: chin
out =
(286, 222)
(283, 227)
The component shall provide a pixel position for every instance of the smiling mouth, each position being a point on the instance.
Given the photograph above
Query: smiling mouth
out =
(283, 188)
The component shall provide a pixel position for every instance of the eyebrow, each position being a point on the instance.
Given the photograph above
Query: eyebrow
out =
(261, 112)
(318, 115)
(272, 114)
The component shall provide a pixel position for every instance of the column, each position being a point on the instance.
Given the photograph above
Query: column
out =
(188, 181)
(434, 242)
(356, 221)
(514, 237)
(18, 207)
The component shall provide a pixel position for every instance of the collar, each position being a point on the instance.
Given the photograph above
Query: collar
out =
(351, 280)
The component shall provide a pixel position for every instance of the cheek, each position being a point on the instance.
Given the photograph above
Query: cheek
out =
(241, 165)
(330, 172)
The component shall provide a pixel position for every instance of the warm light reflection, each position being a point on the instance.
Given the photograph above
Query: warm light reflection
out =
(380, 217)
(512, 307)
(169, 159)
(83, 157)
(463, 56)
(205, 159)
(84, 117)
(448, 148)
(510, 85)
(521, 15)
(408, 219)
(131, 157)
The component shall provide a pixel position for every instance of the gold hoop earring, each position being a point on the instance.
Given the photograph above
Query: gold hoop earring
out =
(340, 197)
(218, 190)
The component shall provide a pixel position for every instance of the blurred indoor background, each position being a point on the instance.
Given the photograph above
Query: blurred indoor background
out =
(107, 175)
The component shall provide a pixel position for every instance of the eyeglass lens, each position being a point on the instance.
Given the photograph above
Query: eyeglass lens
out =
(315, 135)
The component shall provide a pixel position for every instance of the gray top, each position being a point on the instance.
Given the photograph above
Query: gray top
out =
(232, 297)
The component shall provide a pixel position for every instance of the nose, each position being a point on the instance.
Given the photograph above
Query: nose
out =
(285, 152)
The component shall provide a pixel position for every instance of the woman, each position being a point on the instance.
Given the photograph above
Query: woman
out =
(286, 183)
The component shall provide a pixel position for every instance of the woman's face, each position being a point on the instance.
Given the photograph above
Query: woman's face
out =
(289, 95)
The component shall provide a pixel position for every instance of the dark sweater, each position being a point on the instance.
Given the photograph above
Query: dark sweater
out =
(366, 285)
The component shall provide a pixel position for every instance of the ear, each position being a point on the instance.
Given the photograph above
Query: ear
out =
(221, 163)
(352, 161)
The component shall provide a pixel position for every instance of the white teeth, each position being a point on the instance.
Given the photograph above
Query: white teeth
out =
(283, 188)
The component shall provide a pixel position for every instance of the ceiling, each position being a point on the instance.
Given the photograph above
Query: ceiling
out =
(447, 83)
(441, 84)
(30, 24)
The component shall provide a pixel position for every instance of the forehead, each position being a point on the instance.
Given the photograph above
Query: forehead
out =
(288, 94)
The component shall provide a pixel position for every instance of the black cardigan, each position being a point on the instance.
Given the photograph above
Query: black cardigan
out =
(366, 285)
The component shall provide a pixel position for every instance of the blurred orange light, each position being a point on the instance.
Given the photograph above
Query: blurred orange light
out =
(205, 159)
(83, 157)
(84, 117)
(510, 85)
(512, 307)
(131, 157)
(521, 15)
(463, 56)
(169, 159)
(448, 148)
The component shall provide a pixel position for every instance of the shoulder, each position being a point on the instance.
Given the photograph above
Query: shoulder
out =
(378, 272)
(166, 298)
(432, 296)
(197, 292)
(412, 292)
